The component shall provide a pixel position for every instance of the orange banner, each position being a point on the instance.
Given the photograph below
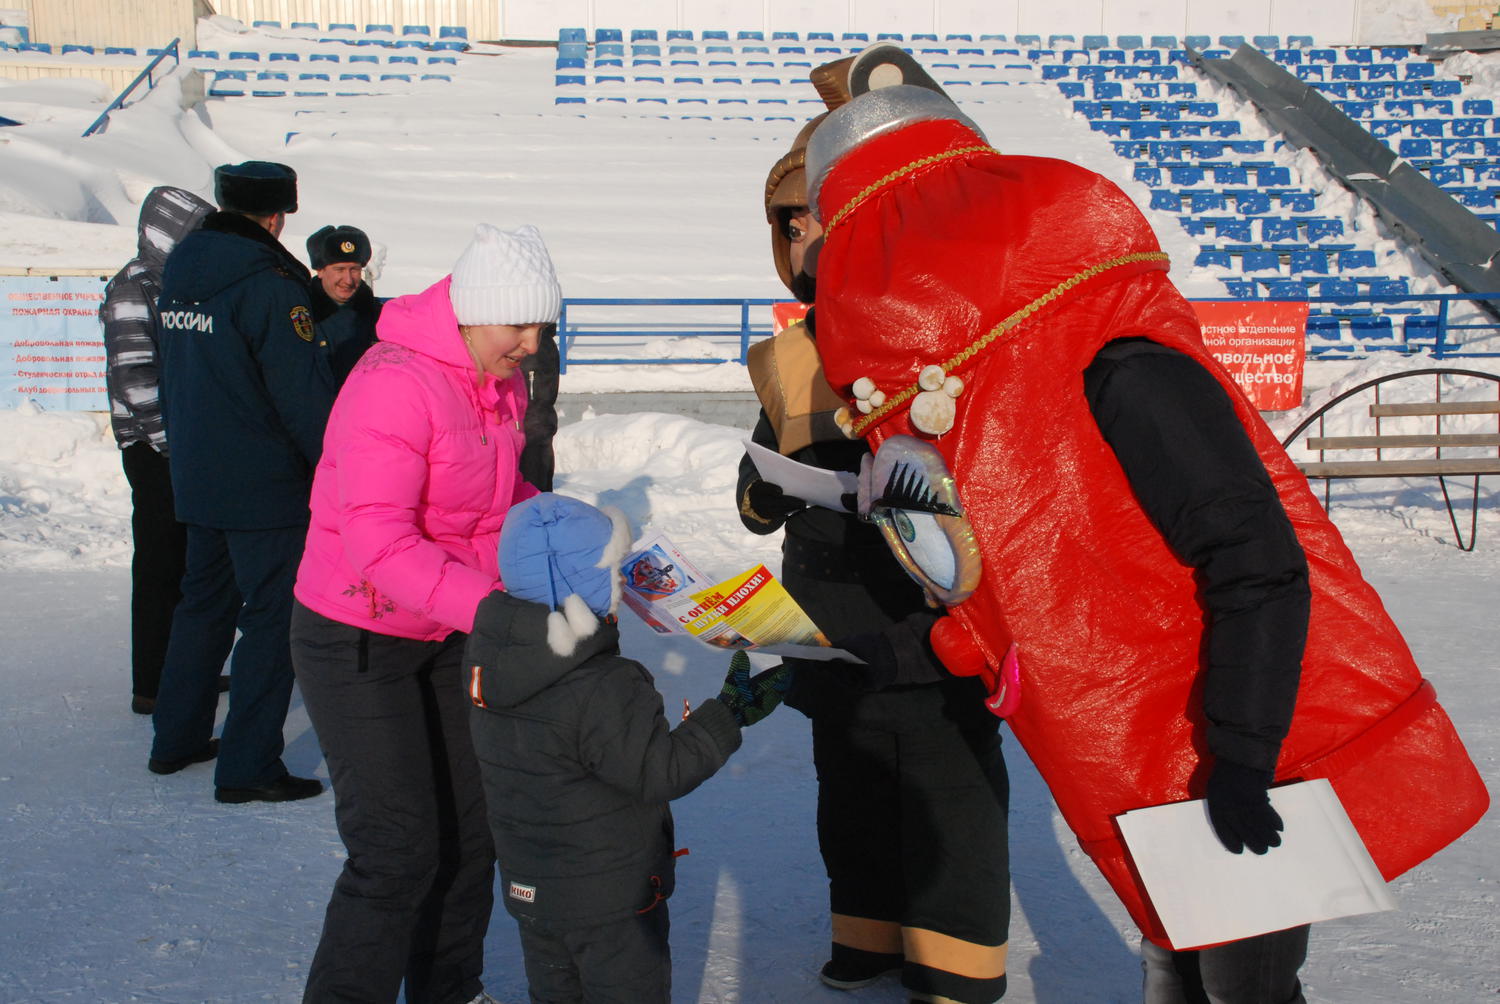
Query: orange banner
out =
(783, 314)
(1263, 345)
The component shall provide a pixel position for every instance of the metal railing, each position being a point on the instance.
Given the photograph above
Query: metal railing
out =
(119, 101)
(1419, 322)
(723, 339)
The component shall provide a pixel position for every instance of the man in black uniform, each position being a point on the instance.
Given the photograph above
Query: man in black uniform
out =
(343, 304)
(246, 390)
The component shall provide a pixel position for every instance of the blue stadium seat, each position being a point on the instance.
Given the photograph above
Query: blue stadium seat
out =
(385, 29)
(203, 54)
(1371, 327)
(119, 50)
(1199, 42)
(643, 35)
(310, 25)
(355, 76)
(420, 30)
(341, 26)
(1163, 41)
(715, 36)
(1267, 42)
(750, 36)
(312, 76)
(1279, 230)
(1260, 261)
(1231, 41)
(253, 57)
(572, 35)
(681, 34)
(264, 24)
(323, 57)
(608, 35)
(1213, 259)
(403, 77)
(286, 57)
(87, 50)
(364, 57)
(402, 59)
(1314, 262)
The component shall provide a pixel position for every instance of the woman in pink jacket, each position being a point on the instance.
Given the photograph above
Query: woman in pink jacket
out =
(420, 465)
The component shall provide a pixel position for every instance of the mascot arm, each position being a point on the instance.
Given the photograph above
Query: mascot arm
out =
(1197, 477)
(763, 506)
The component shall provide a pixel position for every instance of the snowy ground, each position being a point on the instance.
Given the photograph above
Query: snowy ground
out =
(119, 885)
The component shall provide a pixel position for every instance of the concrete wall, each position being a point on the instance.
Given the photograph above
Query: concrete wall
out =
(142, 24)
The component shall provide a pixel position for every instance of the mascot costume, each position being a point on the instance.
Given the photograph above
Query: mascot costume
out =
(961, 296)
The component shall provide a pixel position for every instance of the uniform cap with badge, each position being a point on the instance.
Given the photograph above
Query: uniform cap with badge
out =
(334, 244)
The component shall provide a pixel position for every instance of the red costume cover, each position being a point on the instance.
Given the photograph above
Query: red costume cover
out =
(1011, 273)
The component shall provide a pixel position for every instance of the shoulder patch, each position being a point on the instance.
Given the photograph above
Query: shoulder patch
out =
(302, 322)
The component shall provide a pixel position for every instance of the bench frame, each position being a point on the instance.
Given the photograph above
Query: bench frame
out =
(1436, 466)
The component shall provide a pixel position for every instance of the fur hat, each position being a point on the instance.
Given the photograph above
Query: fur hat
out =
(255, 188)
(505, 278)
(566, 554)
(331, 245)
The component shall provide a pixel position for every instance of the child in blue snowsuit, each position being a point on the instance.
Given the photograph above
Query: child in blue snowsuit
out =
(579, 761)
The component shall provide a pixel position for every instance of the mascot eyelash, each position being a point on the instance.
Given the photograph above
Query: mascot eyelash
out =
(907, 489)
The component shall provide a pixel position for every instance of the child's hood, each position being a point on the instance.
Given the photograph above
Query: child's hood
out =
(508, 658)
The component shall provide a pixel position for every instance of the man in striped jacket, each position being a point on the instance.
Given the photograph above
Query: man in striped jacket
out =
(130, 318)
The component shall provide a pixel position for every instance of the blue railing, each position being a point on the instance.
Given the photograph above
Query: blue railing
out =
(119, 101)
(1417, 322)
(724, 339)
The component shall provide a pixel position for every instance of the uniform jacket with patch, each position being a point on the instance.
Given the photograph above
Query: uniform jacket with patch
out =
(419, 468)
(130, 318)
(348, 328)
(245, 387)
(579, 764)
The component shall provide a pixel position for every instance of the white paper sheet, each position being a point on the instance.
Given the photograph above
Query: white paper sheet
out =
(1205, 895)
(812, 484)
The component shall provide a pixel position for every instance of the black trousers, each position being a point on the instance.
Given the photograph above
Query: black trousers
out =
(912, 826)
(160, 554)
(234, 578)
(414, 899)
(626, 961)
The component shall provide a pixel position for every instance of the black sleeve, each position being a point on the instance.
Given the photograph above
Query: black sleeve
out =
(764, 435)
(1200, 482)
(542, 377)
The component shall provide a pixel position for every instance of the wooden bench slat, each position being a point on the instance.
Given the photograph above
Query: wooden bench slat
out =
(1435, 408)
(1432, 440)
(1399, 468)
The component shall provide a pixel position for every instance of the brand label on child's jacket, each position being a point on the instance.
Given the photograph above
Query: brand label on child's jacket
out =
(524, 893)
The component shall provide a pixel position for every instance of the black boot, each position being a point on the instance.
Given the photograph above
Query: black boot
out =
(852, 968)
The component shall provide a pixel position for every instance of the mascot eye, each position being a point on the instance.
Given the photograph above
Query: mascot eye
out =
(927, 545)
(914, 501)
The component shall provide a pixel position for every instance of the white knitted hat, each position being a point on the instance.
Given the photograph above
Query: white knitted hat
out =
(505, 278)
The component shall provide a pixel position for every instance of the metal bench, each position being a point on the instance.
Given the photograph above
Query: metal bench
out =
(1418, 454)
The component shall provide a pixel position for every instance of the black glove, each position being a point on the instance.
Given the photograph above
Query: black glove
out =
(1240, 810)
(879, 655)
(752, 698)
(768, 503)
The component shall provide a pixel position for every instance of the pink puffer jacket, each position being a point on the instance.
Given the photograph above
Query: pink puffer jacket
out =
(419, 469)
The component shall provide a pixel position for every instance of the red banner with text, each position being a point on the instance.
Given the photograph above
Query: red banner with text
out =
(785, 313)
(1263, 345)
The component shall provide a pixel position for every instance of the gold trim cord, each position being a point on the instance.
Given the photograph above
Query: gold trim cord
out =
(899, 173)
(985, 341)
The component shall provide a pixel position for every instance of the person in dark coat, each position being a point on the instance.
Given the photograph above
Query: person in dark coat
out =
(578, 760)
(344, 306)
(542, 373)
(906, 890)
(246, 389)
(131, 323)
